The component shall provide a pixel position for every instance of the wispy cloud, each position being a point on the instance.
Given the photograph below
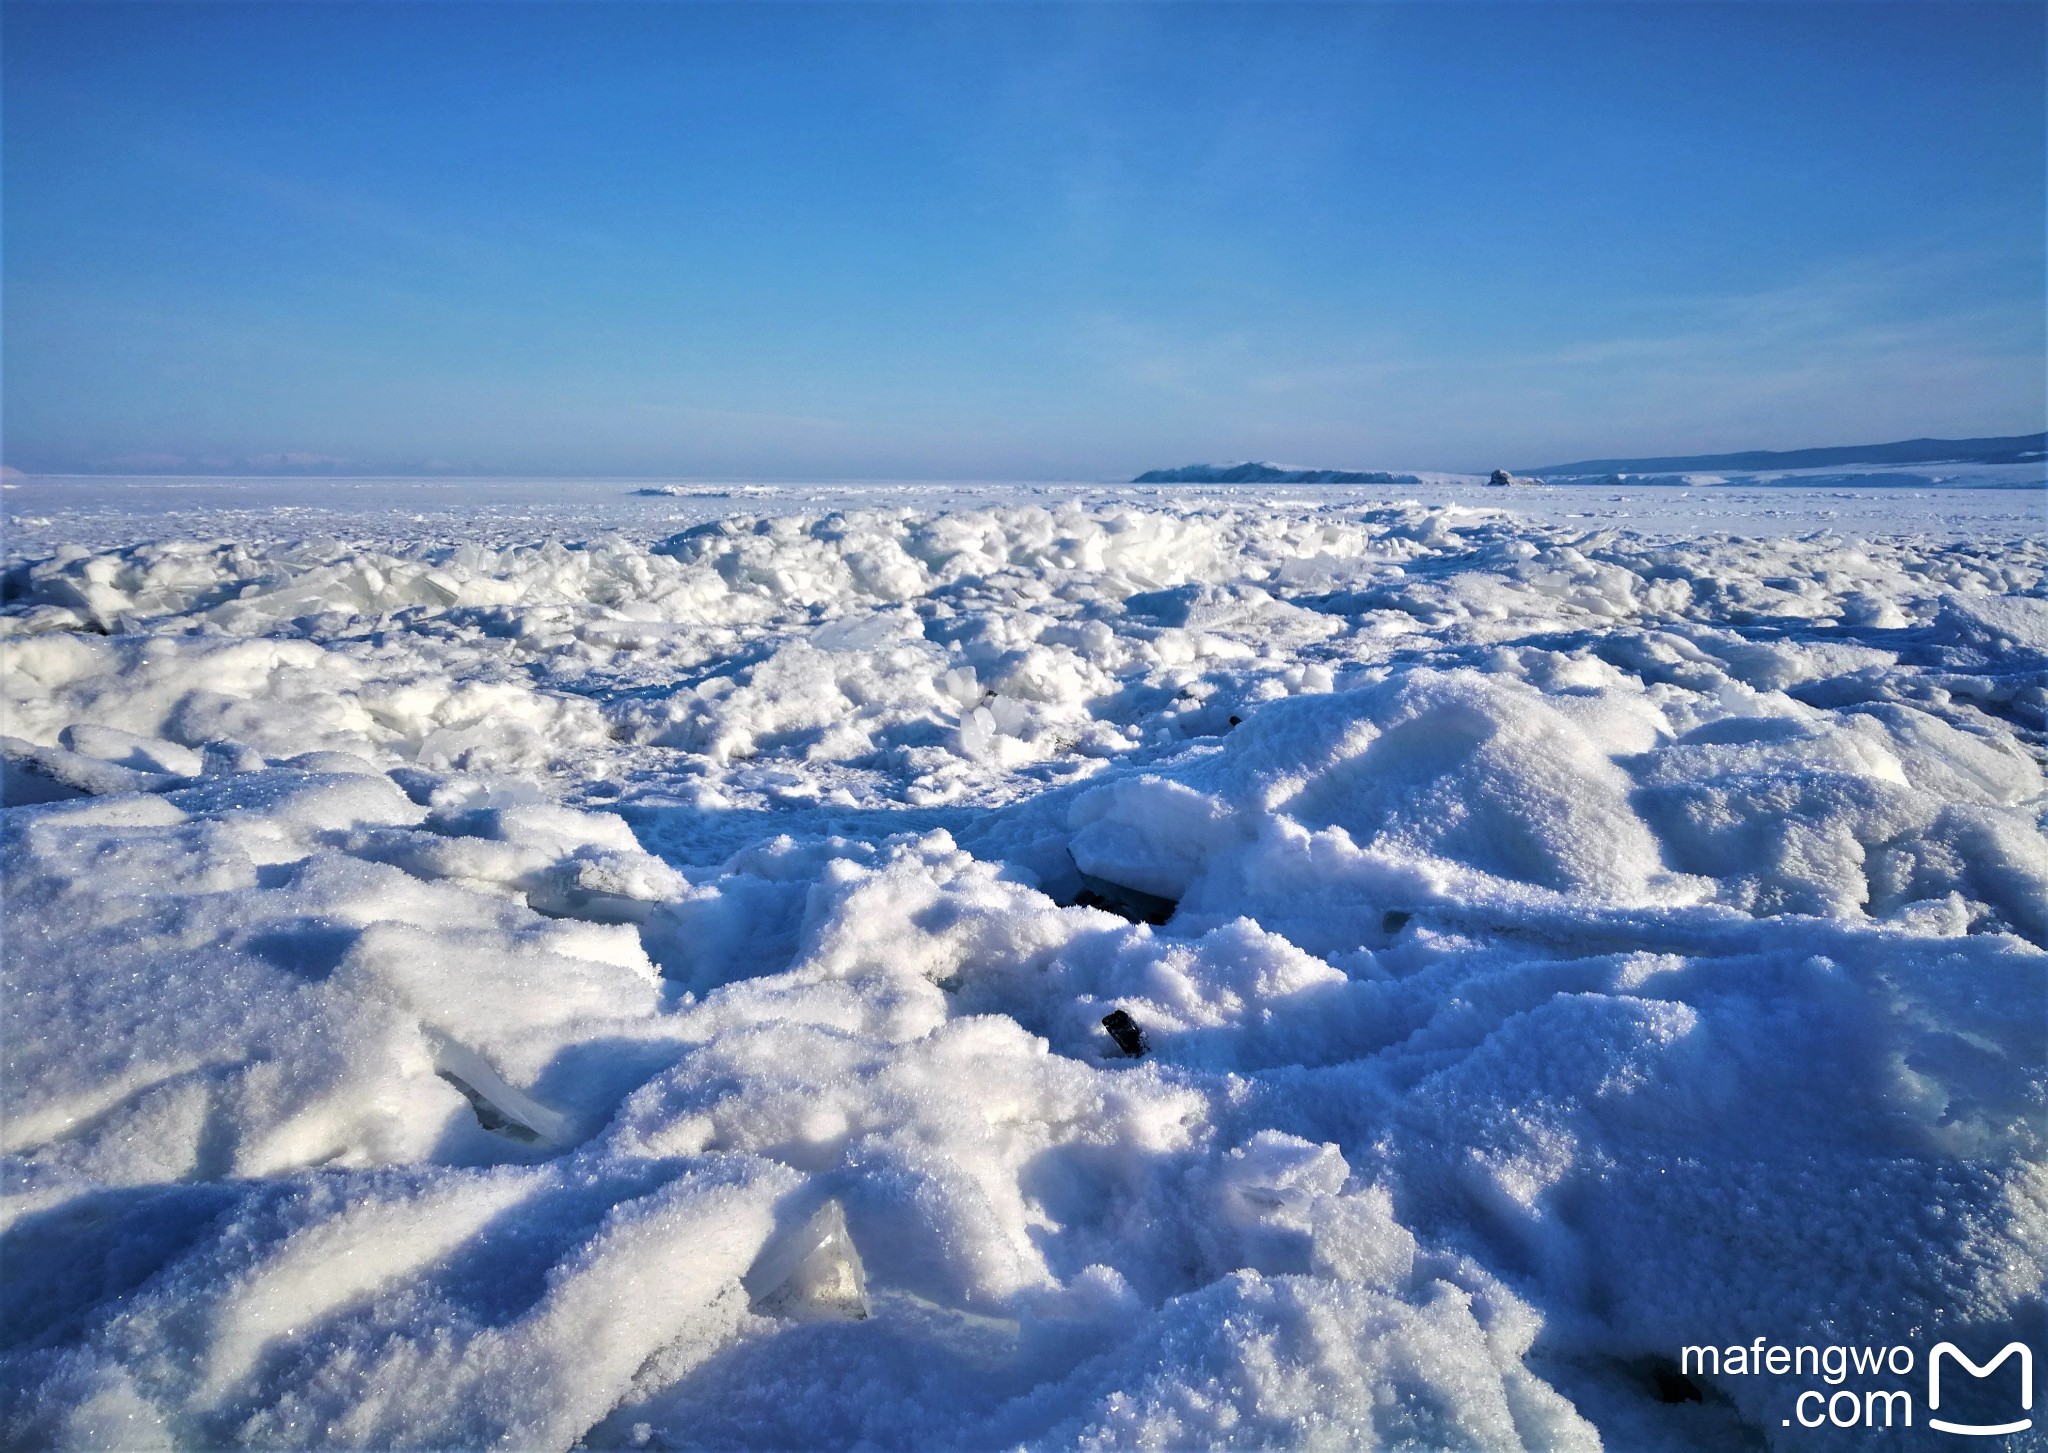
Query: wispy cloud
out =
(1864, 305)
(1885, 345)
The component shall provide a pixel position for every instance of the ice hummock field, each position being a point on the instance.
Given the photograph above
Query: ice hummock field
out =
(534, 966)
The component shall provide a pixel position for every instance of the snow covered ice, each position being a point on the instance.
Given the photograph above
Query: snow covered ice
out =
(472, 984)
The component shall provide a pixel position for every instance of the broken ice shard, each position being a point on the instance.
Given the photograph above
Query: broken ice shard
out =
(811, 1273)
(500, 1107)
(1124, 1030)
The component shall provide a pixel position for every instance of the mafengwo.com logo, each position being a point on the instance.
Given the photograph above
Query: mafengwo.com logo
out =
(1953, 1381)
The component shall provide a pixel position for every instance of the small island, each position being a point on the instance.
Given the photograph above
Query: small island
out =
(1259, 472)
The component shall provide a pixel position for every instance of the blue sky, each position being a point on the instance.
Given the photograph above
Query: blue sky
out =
(1013, 240)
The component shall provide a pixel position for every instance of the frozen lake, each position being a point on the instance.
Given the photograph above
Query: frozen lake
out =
(104, 510)
(541, 964)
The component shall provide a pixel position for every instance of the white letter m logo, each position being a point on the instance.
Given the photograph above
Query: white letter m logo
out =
(1981, 1430)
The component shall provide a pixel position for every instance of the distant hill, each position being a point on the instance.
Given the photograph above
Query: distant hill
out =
(1262, 473)
(2018, 449)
